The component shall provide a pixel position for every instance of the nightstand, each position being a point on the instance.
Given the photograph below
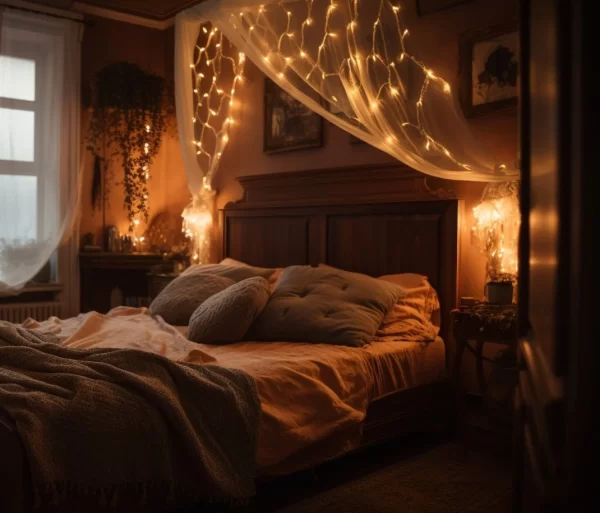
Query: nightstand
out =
(472, 327)
(158, 281)
(101, 273)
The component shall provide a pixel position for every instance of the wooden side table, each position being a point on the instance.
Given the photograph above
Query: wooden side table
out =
(101, 272)
(480, 323)
(158, 281)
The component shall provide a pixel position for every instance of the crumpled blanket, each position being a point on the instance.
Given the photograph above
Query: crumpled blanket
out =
(99, 422)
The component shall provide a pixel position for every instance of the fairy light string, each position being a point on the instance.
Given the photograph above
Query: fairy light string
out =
(217, 72)
(294, 44)
(216, 75)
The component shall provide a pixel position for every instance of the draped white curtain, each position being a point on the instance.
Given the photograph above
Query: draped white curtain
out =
(40, 59)
(354, 62)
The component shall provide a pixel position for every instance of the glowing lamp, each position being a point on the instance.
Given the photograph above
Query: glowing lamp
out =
(496, 223)
(197, 221)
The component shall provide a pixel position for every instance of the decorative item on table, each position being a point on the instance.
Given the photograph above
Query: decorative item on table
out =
(179, 258)
(163, 232)
(289, 124)
(138, 242)
(197, 222)
(126, 243)
(496, 224)
(488, 70)
(112, 238)
(87, 242)
(467, 302)
(499, 292)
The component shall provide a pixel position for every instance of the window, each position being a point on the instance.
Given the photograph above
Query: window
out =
(20, 166)
(40, 59)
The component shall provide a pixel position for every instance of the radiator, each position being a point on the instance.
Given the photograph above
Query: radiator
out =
(18, 312)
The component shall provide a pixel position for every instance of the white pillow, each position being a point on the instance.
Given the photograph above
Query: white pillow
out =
(225, 317)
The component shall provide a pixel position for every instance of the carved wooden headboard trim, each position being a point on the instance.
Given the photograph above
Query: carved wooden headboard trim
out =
(374, 220)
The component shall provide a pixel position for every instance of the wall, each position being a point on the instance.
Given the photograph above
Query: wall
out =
(111, 41)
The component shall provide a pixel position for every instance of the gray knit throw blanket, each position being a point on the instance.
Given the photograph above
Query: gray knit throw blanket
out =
(107, 423)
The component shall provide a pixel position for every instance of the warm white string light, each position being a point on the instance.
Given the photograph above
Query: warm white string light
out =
(496, 223)
(217, 73)
(214, 97)
(290, 38)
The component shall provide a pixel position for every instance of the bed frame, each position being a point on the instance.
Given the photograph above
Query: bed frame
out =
(374, 220)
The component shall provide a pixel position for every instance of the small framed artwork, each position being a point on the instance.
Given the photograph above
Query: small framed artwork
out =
(489, 69)
(425, 7)
(289, 124)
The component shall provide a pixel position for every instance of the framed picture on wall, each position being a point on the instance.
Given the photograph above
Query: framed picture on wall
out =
(289, 124)
(489, 69)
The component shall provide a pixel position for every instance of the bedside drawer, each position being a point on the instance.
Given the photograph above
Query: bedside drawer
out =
(157, 282)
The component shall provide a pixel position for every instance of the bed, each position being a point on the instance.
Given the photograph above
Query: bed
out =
(373, 221)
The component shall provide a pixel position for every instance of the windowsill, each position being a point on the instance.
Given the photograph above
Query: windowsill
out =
(34, 292)
(42, 287)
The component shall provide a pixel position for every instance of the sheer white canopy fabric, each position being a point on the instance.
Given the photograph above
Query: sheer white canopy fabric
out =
(40, 59)
(356, 64)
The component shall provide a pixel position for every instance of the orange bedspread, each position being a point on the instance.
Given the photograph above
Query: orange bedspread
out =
(312, 395)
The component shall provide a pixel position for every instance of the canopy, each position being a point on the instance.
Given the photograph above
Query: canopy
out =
(354, 62)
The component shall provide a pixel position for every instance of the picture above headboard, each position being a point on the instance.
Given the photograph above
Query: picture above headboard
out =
(374, 221)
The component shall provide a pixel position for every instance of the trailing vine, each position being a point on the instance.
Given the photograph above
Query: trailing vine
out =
(129, 118)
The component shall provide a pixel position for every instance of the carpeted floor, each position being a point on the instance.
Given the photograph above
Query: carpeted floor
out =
(410, 475)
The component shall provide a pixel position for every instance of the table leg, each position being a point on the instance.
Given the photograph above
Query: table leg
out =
(459, 393)
(480, 376)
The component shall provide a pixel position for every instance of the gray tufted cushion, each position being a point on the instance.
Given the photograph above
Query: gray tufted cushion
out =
(325, 305)
(178, 300)
(225, 317)
(234, 272)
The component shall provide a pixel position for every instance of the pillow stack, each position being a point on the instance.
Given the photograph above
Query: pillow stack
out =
(227, 302)
(179, 299)
(185, 297)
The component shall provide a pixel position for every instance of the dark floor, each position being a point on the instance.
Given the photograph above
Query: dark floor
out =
(417, 474)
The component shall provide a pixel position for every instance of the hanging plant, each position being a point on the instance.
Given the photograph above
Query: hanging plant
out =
(129, 118)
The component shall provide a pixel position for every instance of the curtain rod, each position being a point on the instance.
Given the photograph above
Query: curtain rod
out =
(52, 15)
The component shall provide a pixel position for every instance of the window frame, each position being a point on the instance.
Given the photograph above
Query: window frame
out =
(37, 53)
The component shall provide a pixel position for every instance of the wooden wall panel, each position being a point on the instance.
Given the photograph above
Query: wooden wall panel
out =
(385, 244)
(268, 241)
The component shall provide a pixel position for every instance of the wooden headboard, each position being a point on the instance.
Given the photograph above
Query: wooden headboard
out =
(372, 220)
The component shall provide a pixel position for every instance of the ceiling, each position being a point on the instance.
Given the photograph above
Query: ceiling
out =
(159, 10)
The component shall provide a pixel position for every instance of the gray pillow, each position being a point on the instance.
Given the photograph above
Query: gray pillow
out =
(178, 300)
(225, 317)
(325, 305)
(234, 272)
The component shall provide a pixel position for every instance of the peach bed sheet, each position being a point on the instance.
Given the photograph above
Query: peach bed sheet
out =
(309, 393)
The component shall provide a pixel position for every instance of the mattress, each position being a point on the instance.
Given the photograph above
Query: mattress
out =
(314, 392)
(393, 366)
(309, 393)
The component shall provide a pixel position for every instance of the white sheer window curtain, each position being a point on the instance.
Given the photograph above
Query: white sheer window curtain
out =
(39, 144)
